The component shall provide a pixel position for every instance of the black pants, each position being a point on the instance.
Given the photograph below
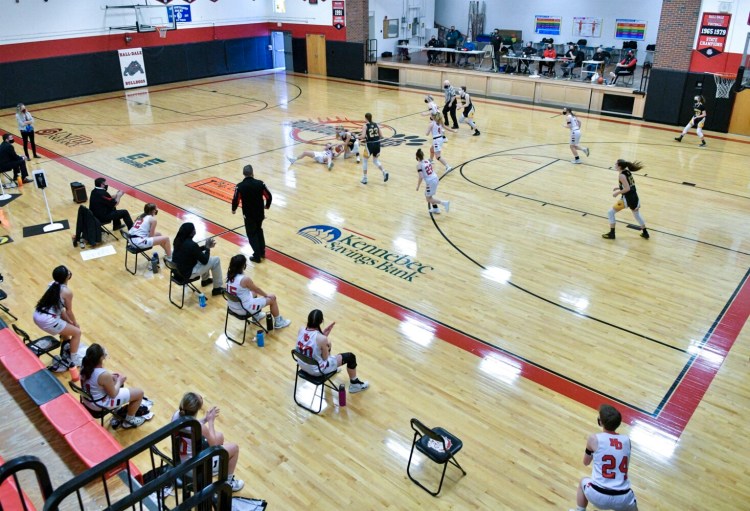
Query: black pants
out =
(18, 166)
(450, 109)
(254, 230)
(116, 217)
(28, 136)
(451, 57)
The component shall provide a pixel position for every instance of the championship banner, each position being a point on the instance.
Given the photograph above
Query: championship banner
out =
(713, 34)
(634, 30)
(548, 25)
(132, 68)
(339, 15)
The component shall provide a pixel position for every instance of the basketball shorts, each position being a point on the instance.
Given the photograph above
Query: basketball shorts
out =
(431, 186)
(49, 323)
(624, 502)
(437, 144)
(698, 123)
(252, 306)
(373, 149)
(122, 398)
(575, 137)
(329, 366)
(143, 243)
(321, 157)
(468, 112)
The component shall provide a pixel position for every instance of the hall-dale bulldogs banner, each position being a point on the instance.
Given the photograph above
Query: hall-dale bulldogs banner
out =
(713, 34)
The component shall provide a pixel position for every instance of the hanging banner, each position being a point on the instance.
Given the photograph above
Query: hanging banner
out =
(339, 14)
(635, 30)
(713, 34)
(548, 25)
(132, 68)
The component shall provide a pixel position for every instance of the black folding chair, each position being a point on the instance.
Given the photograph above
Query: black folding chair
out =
(176, 277)
(246, 317)
(3, 296)
(320, 381)
(131, 248)
(97, 410)
(437, 444)
(42, 346)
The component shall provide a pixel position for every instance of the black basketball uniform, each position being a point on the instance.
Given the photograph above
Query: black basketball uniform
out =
(467, 105)
(372, 137)
(630, 197)
(698, 109)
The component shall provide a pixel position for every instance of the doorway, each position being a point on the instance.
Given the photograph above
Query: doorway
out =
(316, 54)
(281, 43)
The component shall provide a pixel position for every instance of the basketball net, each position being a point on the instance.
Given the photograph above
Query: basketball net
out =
(162, 31)
(724, 84)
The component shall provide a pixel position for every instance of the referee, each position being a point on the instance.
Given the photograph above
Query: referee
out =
(451, 102)
(255, 197)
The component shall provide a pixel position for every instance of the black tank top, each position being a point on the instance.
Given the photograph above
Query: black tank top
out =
(371, 132)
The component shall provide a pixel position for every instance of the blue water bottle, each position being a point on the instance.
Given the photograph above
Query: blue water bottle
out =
(260, 339)
(201, 299)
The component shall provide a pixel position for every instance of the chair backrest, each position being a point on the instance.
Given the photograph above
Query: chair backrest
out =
(298, 357)
(229, 297)
(423, 430)
(128, 240)
(177, 276)
(22, 334)
(84, 395)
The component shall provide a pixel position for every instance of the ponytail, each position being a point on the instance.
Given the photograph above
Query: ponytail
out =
(148, 209)
(94, 355)
(634, 166)
(51, 297)
(190, 404)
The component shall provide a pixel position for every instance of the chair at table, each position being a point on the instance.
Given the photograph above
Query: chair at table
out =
(179, 279)
(246, 317)
(320, 381)
(438, 445)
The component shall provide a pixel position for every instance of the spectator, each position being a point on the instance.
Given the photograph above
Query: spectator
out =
(144, 235)
(432, 55)
(256, 198)
(26, 126)
(468, 46)
(108, 389)
(9, 160)
(452, 38)
(192, 260)
(594, 68)
(549, 53)
(528, 51)
(104, 206)
(575, 59)
(314, 342)
(252, 298)
(451, 103)
(625, 67)
(190, 405)
(403, 52)
(496, 40)
(54, 315)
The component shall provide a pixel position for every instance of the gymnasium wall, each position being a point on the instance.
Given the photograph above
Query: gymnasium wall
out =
(739, 27)
(398, 9)
(515, 15)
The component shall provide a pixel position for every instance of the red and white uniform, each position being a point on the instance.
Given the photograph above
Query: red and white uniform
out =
(141, 232)
(100, 395)
(431, 181)
(575, 129)
(609, 487)
(432, 108)
(307, 344)
(438, 136)
(249, 301)
(50, 320)
(322, 156)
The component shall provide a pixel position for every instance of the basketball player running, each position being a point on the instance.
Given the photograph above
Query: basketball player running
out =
(574, 124)
(467, 115)
(431, 181)
(432, 107)
(372, 135)
(350, 140)
(609, 486)
(698, 120)
(437, 130)
(325, 157)
(628, 197)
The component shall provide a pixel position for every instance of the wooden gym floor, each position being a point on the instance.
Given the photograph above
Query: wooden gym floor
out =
(520, 322)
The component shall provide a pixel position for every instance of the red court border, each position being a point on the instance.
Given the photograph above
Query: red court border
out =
(673, 418)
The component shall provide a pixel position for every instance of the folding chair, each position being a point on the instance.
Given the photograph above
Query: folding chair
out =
(489, 53)
(177, 277)
(110, 233)
(246, 317)
(3, 296)
(42, 346)
(321, 381)
(130, 248)
(102, 411)
(437, 444)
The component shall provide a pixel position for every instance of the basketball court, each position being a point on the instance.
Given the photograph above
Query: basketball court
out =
(506, 321)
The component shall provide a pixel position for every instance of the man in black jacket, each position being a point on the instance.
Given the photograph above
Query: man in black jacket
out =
(255, 198)
(9, 160)
(104, 206)
(496, 40)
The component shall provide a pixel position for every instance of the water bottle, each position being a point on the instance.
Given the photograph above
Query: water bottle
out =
(75, 374)
(260, 339)
(201, 299)
(155, 262)
(342, 395)
(269, 322)
(20, 182)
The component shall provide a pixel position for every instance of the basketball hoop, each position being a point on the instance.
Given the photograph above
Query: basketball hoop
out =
(162, 31)
(724, 82)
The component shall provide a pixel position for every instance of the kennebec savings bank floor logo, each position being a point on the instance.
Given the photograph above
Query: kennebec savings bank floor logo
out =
(310, 131)
(365, 252)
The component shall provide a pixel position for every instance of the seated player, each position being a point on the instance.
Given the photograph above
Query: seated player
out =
(143, 233)
(252, 297)
(325, 157)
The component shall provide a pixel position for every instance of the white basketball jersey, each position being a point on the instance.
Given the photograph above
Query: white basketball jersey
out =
(425, 170)
(437, 130)
(611, 460)
(573, 123)
(142, 227)
(307, 344)
(244, 294)
(433, 108)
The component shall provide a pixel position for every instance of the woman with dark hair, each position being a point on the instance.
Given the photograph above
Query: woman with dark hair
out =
(54, 315)
(192, 260)
(108, 389)
(252, 297)
(314, 342)
(143, 233)
(190, 405)
(628, 197)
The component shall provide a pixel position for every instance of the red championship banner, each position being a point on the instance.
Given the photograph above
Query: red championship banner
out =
(339, 14)
(713, 34)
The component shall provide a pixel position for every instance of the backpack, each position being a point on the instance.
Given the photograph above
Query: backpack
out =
(245, 504)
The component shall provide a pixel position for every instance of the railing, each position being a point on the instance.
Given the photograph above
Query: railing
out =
(16, 465)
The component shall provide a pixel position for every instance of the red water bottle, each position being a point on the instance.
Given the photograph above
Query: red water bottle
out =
(342, 395)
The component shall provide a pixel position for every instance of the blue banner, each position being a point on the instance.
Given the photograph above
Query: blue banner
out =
(179, 13)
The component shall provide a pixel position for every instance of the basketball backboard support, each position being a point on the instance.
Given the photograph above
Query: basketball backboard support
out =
(139, 18)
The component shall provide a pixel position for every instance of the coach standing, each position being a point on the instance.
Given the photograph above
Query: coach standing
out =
(255, 197)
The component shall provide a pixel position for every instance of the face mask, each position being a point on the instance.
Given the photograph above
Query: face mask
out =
(565, 112)
(446, 87)
(10, 140)
(105, 187)
(23, 110)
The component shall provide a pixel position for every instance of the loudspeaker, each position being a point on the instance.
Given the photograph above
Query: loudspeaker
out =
(79, 192)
